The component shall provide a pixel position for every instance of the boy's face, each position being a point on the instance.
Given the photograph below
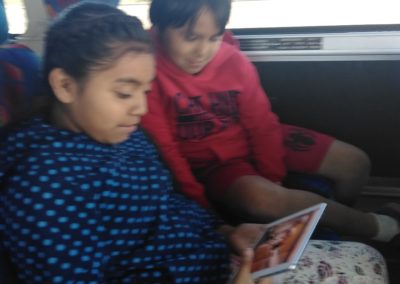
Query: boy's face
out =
(191, 48)
(109, 104)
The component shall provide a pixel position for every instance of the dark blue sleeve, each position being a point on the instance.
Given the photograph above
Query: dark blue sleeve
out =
(50, 223)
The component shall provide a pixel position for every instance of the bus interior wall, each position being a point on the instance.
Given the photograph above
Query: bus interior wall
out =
(355, 101)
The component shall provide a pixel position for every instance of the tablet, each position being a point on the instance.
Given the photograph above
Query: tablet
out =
(281, 245)
(283, 242)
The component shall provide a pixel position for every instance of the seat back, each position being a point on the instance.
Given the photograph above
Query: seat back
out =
(19, 81)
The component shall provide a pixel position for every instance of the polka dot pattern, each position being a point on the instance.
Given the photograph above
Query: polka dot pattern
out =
(76, 211)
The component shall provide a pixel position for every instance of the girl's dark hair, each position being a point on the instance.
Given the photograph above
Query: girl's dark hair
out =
(86, 36)
(177, 13)
(90, 36)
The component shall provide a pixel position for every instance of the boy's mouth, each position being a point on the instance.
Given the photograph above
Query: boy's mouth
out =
(196, 62)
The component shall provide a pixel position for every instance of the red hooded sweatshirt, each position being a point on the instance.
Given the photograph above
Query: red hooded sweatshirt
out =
(219, 114)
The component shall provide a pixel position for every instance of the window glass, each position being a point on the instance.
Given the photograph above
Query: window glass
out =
(295, 13)
(261, 13)
(138, 8)
(16, 16)
(306, 13)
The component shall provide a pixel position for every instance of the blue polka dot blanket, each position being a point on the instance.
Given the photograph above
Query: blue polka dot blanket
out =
(76, 211)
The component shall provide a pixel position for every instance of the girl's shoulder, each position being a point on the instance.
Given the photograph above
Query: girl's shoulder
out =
(35, 137)
(34, 129)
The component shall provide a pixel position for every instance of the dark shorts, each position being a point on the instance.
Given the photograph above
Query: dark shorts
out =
(305, 151)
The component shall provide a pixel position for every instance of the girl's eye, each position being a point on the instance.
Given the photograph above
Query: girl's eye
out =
(123, 95)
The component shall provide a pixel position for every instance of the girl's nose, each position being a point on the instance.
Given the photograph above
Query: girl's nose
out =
(139, 106)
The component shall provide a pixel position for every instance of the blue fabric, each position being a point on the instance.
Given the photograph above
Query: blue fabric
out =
(309, 182)
(76, 211)
(3, 24)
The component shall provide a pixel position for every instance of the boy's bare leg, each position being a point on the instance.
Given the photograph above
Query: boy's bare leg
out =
(349, 167)
(257, 199)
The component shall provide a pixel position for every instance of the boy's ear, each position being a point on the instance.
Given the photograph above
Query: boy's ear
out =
(64, 86)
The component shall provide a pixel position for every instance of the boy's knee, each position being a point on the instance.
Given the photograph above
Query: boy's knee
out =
(345, 162)
(349, 167)
(360, 158)
(359, 163)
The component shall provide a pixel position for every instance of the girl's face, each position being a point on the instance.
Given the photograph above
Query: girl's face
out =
(109, 104)
(191, 48)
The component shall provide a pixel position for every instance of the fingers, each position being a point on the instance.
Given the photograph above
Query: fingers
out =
(245, 235)
(266, 280)
(244, 274)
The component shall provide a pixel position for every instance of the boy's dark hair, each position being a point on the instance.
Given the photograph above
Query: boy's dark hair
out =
(177, 13)
(88, 36)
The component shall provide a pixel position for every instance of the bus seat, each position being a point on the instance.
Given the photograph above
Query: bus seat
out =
(19, 80)
(3, 24)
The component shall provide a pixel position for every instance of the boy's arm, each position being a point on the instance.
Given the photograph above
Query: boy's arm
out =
(262, 127)
(155, 122)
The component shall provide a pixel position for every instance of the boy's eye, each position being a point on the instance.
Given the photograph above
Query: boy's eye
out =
(190, 37)
(216, 38)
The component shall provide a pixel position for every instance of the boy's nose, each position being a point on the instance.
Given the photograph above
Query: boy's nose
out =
(201, 49)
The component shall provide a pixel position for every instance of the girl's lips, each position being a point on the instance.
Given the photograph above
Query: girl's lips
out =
(129, 128)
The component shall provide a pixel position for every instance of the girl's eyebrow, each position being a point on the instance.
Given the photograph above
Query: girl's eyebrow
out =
(128, 81)
(132, 81)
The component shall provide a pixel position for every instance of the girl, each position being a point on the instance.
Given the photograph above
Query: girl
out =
(84, 196)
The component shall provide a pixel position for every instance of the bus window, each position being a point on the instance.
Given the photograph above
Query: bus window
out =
(264, 13)
(295, 13)
(309, 13)
(138, 8)
(16, 16)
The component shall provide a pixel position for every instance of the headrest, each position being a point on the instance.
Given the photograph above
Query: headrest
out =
(53, 7)
(3, 23)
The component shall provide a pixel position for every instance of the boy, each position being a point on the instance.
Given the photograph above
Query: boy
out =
(208, 114)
